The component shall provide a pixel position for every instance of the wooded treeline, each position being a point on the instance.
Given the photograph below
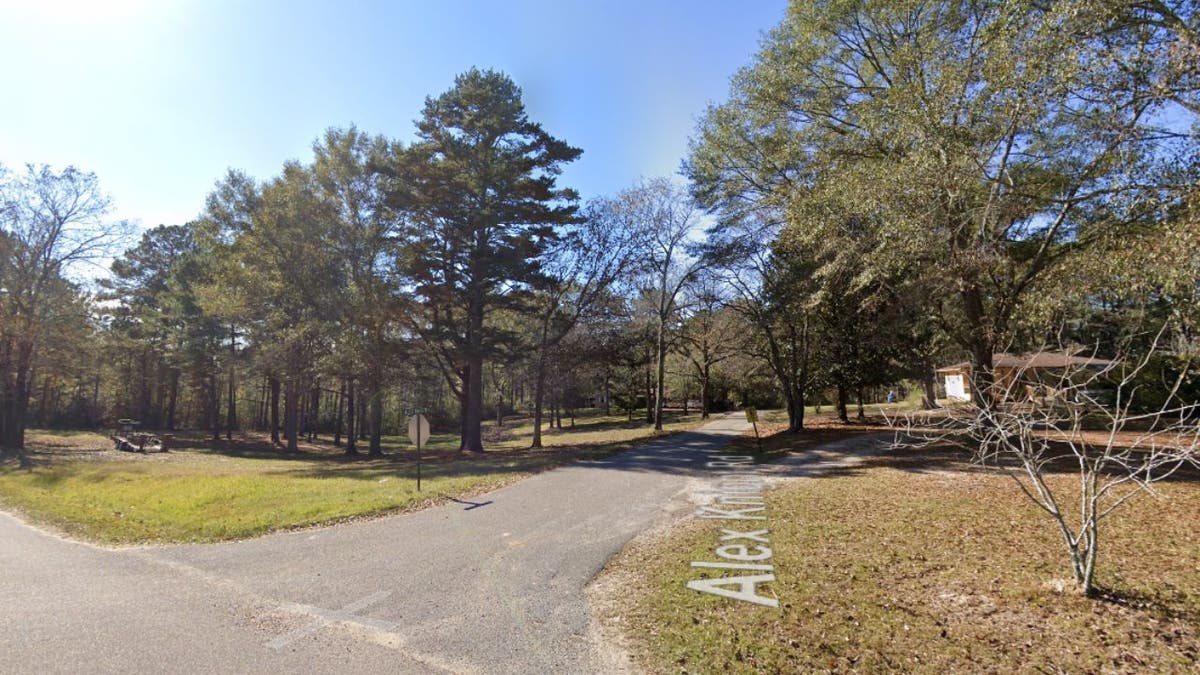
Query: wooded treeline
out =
(891, 186)
(451, 275)
(901, 182)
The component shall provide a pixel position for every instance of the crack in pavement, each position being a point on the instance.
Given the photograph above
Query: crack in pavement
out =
(327, 617)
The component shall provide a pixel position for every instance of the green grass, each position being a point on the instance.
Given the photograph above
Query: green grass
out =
(246, 488)
(120, 503)
(919, 564)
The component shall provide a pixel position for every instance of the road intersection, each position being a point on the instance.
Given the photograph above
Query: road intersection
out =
(491, 586)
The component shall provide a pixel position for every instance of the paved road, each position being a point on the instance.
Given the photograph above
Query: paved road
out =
(497, 588)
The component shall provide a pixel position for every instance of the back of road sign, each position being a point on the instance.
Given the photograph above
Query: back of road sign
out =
(751, 415)
(417, 424)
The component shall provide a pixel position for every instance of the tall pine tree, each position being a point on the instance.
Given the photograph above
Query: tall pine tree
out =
(482, 205)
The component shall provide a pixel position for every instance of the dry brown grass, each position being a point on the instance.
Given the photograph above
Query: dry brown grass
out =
(917, 561)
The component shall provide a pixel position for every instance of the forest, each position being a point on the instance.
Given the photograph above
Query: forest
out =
(875, 199)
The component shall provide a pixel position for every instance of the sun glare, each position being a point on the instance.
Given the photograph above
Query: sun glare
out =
(64, 11)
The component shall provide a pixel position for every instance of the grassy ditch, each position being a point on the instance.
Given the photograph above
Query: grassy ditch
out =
(922, 563)
(246, 487)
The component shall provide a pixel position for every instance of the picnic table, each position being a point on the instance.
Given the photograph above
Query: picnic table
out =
(126, 437)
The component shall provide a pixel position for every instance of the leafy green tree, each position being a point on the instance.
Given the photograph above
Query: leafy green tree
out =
(481, 205)
(771, 288)
(362, 236)
(273, 255)
(153, 297)
(976, 149)
(213, 280)
(69, 364)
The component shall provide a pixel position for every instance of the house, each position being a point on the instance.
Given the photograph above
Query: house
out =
(1021, 373)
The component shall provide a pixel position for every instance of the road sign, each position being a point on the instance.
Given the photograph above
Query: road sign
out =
(418, 424)
(418, 433)
(752, 418)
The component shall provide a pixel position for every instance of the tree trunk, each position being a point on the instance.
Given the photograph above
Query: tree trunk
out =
(291, 414)
(661, 374)
(789, 397)
(842, 401)
(705, 400)
(351, 417)
(337, 418)
(15, 400)
(44, 402)
(302, 408)
(1088, 582)
(172, 398)
(649, 396)
(632, 395)
(862, 416)
(464, 383)
(231, 408)
(473, 441)
(375, 422)
(162, 386)
(14, 417)
(274, 421)
(94, 413)
(539, 389)
(797, 414)
(607, 394)
(929, 387)
(982, 345)
(473, 431)
(314, 414)
(144, 387)
(214, 407)
(264, 394)
(231, 404)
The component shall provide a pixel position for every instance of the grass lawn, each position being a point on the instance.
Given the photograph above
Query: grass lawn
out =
(923, 563)
(200, 492)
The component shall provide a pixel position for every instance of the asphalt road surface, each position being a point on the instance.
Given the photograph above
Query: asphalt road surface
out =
(491, 586)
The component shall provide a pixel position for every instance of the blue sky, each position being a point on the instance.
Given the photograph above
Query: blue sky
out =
(160, 98)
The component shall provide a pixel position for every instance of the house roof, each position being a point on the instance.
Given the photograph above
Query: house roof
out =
(1035, 360)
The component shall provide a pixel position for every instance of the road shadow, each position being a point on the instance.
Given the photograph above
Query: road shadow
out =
(827, 448)
(850, 457)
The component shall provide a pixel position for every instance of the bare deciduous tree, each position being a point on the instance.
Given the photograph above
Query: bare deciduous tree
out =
(576, 275)
(1086, 419)
(712, 333)
(665, 218)
(50, 223)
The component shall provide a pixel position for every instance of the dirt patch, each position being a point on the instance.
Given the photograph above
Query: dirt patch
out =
(610, 629)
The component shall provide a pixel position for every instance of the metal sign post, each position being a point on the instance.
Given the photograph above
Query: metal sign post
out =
(418, 433)
(752, 417)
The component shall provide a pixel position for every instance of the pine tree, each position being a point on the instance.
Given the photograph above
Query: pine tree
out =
(481, 202)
